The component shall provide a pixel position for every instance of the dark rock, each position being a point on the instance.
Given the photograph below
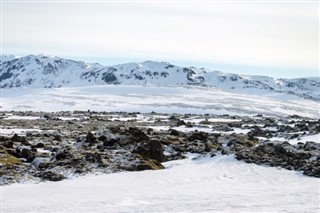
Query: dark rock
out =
(90, 138)
(223, 128)
(201, 136)
(115, 129)
(110, 142)
(57, 137)
(137, 134)
(258, 132)
(46, 116)
(181, 123)
(174, 132)
(50, 176)
(310, 145)
(102, 138)
(93, 157)
(149, 165)
(282, 155)
(212, 146)
(7, 144)
(40, 145)
(27, 154)
(20, 139)
(151, 150)
(62, 155)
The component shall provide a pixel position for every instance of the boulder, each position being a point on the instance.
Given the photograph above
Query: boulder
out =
(90, 138)
(21, 139)
(151, 150)
(50, 176)
(137, 134)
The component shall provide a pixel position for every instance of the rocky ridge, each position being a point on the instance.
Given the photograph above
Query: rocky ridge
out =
(38, 146)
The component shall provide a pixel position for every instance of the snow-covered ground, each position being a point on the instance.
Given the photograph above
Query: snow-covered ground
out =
(219, 184)
(155, 98)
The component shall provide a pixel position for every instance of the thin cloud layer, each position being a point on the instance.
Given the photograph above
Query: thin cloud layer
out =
(283, 35)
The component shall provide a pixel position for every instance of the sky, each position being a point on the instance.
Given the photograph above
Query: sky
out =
(279, 39)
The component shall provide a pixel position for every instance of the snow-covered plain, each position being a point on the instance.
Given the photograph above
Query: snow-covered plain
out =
(219, 184)
(155, 98)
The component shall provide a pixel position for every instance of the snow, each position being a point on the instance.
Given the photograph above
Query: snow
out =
(196, 184)
(46, 71)
(314, 138)
(304, 139)
(17, 131)
(219, 184)
(16, 117)
(163, 99)
(190, 129)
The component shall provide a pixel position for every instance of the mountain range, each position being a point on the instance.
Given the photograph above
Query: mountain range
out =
(40, 71)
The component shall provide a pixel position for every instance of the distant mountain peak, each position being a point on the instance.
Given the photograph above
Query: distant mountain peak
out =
(51, 71)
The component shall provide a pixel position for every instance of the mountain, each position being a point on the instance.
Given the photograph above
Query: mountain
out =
(51, 72)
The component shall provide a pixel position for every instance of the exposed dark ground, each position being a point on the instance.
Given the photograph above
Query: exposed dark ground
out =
(54, 146)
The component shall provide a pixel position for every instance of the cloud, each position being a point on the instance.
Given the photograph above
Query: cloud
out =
(263, 34)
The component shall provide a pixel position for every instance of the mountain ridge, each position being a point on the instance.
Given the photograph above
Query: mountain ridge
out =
(40, 71)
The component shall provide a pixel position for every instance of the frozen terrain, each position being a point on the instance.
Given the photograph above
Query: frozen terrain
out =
(219, 184)
(52, 72)
(156, 98)
(255, 119)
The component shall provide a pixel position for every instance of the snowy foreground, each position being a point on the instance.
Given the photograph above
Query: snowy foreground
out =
(157, 98)
(204, 184)
(219, 184)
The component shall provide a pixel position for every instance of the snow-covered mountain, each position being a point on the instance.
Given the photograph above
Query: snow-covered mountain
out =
(45, 72)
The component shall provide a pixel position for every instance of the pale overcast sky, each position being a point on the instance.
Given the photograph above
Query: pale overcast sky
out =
(275, 39)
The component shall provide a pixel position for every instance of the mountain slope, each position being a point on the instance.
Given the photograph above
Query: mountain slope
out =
(47, 72)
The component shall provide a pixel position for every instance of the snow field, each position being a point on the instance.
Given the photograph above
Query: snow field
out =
(219, 184)
(159, 99)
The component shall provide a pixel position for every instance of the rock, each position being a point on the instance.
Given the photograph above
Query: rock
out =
(141, 164)
(149, 165)
(20, 139)
(57, 137)
(174, 132)
(90, 138)
(137, 134)
(282, 155)
(310, 145)
(181, 123)
(7, 159)
(258, 132)
(284, 128)
(115, 129)
(110, 142)
(46, 116)
(225, 151)
(222, 127)
(40, 145)
(93, 157)
(62, 155)
(102, 138)
(8, 144)
(151, 150)
(27, 154)
(125, 146)
(50, 176)
(201, 136)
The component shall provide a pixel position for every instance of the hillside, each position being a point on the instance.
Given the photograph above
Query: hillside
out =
(53, 72)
